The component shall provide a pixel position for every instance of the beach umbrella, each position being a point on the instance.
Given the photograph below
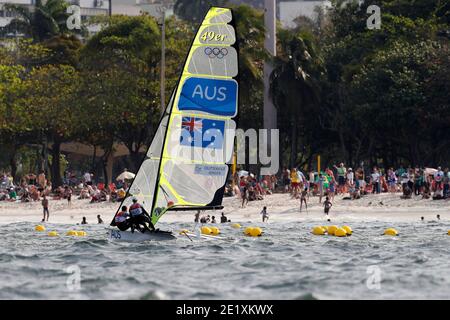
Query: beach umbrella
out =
(126, 175)
(242, 173)
(430, 171)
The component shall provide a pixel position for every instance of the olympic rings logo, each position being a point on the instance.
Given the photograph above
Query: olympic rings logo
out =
(216, 52)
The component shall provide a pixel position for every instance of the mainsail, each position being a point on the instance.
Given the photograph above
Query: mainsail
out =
(186, 164)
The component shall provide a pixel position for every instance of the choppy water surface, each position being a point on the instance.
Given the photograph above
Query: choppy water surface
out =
(286, 263)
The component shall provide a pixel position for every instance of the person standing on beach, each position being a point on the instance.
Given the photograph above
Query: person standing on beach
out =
(327, 205)
(376, 180)
(45, 208)
(87, 178)
(295, 183)
(245, 196)
(99, 219)
(42, 181)
(320, 187)
(68, 194)
(342, 172)
(350, 176)
(303, 197)
(265, 215)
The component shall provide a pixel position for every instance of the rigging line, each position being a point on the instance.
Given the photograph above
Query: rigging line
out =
(143, 159)
(170, 114)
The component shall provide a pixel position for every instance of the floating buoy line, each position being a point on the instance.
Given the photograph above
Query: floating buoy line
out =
(332, 230)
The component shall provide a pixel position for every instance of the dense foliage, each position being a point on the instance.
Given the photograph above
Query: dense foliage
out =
(342, 91)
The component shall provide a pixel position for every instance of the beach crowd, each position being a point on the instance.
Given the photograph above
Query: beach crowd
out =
(34, 187)
(351, 184)
(336, 180)
(424, 182)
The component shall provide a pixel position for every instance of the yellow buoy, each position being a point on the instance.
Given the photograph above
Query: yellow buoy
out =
(52, 234)
(325, 228)
(318, 231)
(248, 230)
(340, 232)
(236, 225)
(206, 230)
(71, 233)
(390, 232)
(39, 228)
(81, 233)
(448, 232)
(256, 232)
(215, 231)
(348, 230)
(331, 230)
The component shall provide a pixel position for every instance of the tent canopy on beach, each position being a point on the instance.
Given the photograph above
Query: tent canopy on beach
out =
(125, 175)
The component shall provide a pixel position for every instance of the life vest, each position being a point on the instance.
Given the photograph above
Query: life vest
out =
(121, 217)
(135, 209)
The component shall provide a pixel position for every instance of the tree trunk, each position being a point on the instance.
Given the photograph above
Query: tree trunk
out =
(13, 164)
(342, 141)
(293, 145)
(55, 166)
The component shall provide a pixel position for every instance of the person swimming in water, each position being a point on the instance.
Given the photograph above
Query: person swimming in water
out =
(223, 218)
(197, 217)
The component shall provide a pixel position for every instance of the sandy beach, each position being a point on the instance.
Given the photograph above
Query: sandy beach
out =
(382, 207)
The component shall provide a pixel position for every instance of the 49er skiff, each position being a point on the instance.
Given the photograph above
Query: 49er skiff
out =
(186, 165)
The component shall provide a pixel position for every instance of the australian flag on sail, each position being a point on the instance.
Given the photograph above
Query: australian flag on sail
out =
(204, 133)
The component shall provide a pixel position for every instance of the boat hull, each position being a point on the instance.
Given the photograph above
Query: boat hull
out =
(137, 236)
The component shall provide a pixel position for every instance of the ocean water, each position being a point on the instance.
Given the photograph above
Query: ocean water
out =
(287, 262)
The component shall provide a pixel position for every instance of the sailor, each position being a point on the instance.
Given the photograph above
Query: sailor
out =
(139, 218)
(121, 219)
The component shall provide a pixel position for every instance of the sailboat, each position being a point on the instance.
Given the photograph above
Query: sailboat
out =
(186, 166)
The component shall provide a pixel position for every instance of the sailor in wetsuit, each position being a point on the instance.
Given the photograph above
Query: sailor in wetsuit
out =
(121, 219)
(139, 217)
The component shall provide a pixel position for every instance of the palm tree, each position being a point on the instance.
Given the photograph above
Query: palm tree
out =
(45, 20)
(294, 85)
(195, 10)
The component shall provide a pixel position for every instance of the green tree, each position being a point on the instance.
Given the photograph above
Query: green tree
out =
(45, 20)
(392, 91)
(121, 82)
(195, 10)
(295, 88)
(50, 97)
